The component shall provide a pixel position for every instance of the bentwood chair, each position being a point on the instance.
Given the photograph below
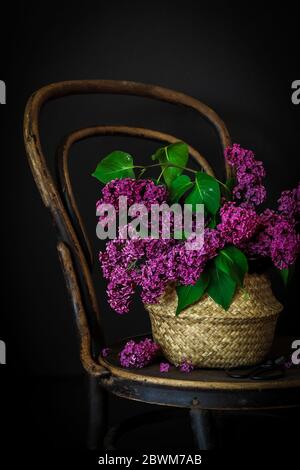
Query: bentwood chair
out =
(202, 391)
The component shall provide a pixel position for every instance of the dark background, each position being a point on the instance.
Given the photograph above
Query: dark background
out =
(240, 61)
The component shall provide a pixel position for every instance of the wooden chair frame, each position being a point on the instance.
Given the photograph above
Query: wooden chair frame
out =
(71, 252)
(76, 259)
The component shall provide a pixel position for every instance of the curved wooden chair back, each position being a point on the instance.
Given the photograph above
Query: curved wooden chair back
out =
(73, 245)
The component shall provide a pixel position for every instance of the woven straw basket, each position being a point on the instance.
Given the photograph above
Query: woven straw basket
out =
(208, 336)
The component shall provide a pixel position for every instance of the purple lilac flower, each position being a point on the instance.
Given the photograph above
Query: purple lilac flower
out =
(138, 355)
(260, 243)
(249, 175)
(186, 367)
(285, 244)
(156, 273)
(159, 268)
(143, 191)
(191, 263)
(117, 262)
(137, 191)
(289, 203)
(164, 367)
(238, 223)
(120, 292)
(111, 256)
(276, 238)
(152, 264)
(177, 264)
(136, 262)
(105, 352)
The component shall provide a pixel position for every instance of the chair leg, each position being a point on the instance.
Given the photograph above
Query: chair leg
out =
(202, 427)
(97, 414)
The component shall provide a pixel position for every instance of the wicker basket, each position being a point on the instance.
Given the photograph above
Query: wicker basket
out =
(208, 336)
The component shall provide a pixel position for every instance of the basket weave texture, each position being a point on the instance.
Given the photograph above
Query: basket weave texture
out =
(208, 336)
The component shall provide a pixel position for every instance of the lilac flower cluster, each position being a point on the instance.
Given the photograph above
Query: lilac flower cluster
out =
(276, 235)
(289, 204)
(249, 175)
(238, 223)
(152, 264)
(138, 355)
(143, 191)
(186, 366)
(269, 234)
(189, 264)
(276, 238)
(164, 367)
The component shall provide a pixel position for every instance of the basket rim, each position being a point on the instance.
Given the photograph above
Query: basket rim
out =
(264, 311)
(195, 318)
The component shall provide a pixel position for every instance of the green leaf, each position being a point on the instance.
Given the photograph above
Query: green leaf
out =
(188, 295)
(206, 191)
(233, 262)
(212, 222)
(221, 287)
(116, 165)
(230, 183)
(179, 187)
(287, 274)
(228, 188)
(158, 154)
(176, 154)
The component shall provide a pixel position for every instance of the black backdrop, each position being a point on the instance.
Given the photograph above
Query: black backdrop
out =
(241, 61)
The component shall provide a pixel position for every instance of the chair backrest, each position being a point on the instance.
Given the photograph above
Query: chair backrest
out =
(73, 244)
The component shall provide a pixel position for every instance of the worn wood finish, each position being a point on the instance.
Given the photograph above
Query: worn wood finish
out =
(71, 278)
(256, 398)
(96, 131)
(97, 413)
(206, 388)
(204, 379)
(208, 398)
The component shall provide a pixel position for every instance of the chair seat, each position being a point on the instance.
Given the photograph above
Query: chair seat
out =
(206, 388)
